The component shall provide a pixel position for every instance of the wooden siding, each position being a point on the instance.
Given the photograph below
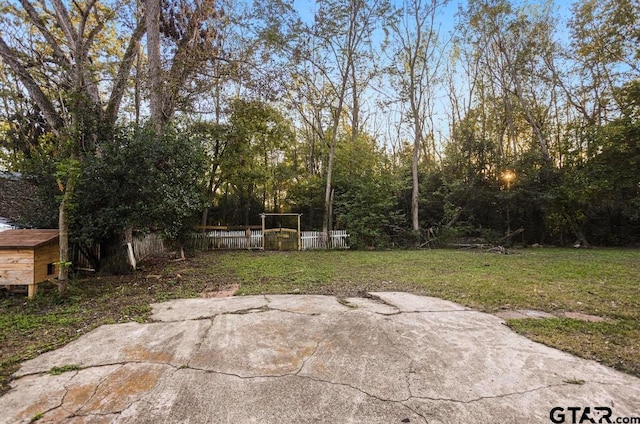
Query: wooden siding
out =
(16, 267)
(28, 266)
(23, 266)
(45, 255)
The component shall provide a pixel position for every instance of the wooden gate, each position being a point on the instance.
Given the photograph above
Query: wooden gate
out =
(281, 239)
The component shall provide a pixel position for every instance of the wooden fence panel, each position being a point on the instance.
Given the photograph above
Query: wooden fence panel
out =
(80, 261)
(145, 245)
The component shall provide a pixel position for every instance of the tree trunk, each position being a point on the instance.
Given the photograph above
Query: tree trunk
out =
(213, 187)
(115, 259)
(415, 158)
(326, 223)
(350, 51)
(577, 231)
(205, 218)
(415, 189)
(137, 97)
(155, 69)
(63, 230)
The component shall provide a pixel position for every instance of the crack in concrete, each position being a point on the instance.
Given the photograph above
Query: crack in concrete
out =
(316, 379)
(141, 400)
(312, 314)
(418, 413)
(401, 352)
(44, 413)
(106, 364)
(256, 310)
(79, 413)
(177, 368)
(95, 414)
(295, 375)
(364, 392)
(400, 311)
(304, 361)
(348, 308)
(381, 399)
(265, 308)
(97, 386)
(439, 312)
(66, 392)
(61, 404)
(383, 302)
(245, 311)
(201, 340)
(482, 398)
(307, 377)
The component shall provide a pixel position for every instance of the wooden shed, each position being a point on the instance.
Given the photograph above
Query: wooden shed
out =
(27, 257)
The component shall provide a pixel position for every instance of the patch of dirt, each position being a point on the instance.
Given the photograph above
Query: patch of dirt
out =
(585, 317)
(531, 314)
(226, 291)
(523, 314)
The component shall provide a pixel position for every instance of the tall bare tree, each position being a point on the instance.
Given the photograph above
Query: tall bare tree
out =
(509, 48)
(418, 59)
(333, 57)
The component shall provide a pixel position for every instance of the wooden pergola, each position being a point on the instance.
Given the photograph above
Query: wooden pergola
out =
(264, 215)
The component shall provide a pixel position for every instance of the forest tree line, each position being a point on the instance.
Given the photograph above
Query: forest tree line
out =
(406, 123)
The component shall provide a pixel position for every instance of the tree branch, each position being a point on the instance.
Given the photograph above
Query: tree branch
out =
(41, 100)
(38, 22)
(65, 23)
(120, 83)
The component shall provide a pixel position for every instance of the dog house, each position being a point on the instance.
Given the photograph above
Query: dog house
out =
(28, 257)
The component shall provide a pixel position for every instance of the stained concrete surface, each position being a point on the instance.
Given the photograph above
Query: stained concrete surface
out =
(390, 358)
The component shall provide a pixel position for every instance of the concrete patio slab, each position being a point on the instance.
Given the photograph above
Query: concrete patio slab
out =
(392, 358)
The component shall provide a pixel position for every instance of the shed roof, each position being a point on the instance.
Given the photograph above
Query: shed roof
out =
(26, 239)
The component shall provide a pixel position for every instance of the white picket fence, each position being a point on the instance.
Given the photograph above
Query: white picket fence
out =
(311, 240)
(223, 240)
(238, 240)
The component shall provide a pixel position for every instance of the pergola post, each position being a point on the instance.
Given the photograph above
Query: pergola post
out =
(299, 235)
(263, 234)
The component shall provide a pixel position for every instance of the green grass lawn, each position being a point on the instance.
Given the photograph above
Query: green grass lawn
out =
(598, 282)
